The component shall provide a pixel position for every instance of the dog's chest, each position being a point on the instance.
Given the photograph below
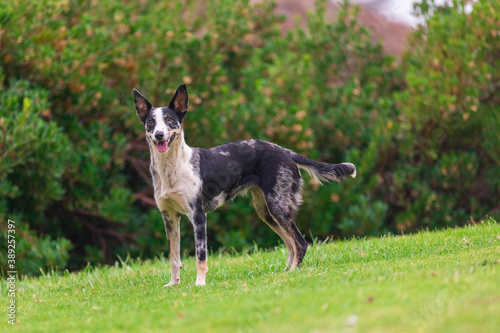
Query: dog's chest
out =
(175, 186)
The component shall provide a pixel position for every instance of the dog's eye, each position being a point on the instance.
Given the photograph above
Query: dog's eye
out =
(171, 122)
(151, 123)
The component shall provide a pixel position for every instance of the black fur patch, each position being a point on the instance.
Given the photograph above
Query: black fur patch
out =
(172, 115)
(231, 168)
(200, 234)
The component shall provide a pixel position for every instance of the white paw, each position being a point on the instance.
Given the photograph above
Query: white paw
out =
(172, 283)
(200, 283)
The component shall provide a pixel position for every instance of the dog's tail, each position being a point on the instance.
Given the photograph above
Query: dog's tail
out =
(325, 171)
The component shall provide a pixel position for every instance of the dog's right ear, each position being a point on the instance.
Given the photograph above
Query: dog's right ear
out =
(142, 105)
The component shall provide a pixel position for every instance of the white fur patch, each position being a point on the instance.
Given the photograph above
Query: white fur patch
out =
(160, 122)
(177, 183)
(312, 172)
(219, 200)
(250, 143)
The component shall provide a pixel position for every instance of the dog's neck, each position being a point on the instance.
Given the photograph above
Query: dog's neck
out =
(171, 161)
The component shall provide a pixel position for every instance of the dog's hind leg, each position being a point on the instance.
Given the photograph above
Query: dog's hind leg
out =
(283, 212)
(282, 195)
(260, 206)
(172, 228)
(300, 243)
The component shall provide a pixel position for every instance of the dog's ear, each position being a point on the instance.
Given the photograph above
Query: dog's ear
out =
(180, 101)
(142, 105)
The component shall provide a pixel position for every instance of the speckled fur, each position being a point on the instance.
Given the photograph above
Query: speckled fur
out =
(195, 181)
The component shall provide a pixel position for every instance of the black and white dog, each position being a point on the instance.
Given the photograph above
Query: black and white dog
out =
(194, 181)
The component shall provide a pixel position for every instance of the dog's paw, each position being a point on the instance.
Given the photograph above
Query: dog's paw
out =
(200, 283)
(172, 283)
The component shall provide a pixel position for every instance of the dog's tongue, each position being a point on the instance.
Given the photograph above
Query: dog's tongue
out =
(162, 146)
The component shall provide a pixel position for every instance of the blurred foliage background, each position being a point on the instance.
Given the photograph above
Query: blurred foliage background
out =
(423, 129)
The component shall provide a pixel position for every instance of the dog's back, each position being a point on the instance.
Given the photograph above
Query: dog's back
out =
(235, 167)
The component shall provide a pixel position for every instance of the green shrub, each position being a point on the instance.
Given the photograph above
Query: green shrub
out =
(423, 132)
(34, 253)
(29, 179)
(448, 142)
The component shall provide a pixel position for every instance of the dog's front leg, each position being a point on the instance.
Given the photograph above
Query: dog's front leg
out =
(173, 229)
(199, 220)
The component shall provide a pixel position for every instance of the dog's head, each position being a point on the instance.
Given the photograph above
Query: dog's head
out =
(164, 124)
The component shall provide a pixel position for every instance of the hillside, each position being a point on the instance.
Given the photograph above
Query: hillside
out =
(431, 281)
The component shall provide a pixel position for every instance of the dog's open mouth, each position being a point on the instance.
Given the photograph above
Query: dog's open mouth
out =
(164, 145)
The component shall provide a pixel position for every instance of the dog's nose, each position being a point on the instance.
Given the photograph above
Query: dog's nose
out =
(159, 135)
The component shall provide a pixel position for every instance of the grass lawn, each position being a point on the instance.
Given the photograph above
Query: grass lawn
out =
(446, 281)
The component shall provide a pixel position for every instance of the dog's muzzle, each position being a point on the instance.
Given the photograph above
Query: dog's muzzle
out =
(163, 145)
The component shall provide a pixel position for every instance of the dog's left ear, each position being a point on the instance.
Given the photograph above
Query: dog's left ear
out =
(180, 101)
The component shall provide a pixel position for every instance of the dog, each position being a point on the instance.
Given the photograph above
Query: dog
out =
(195, 181)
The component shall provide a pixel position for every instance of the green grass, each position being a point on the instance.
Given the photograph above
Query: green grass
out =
(447, 281)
